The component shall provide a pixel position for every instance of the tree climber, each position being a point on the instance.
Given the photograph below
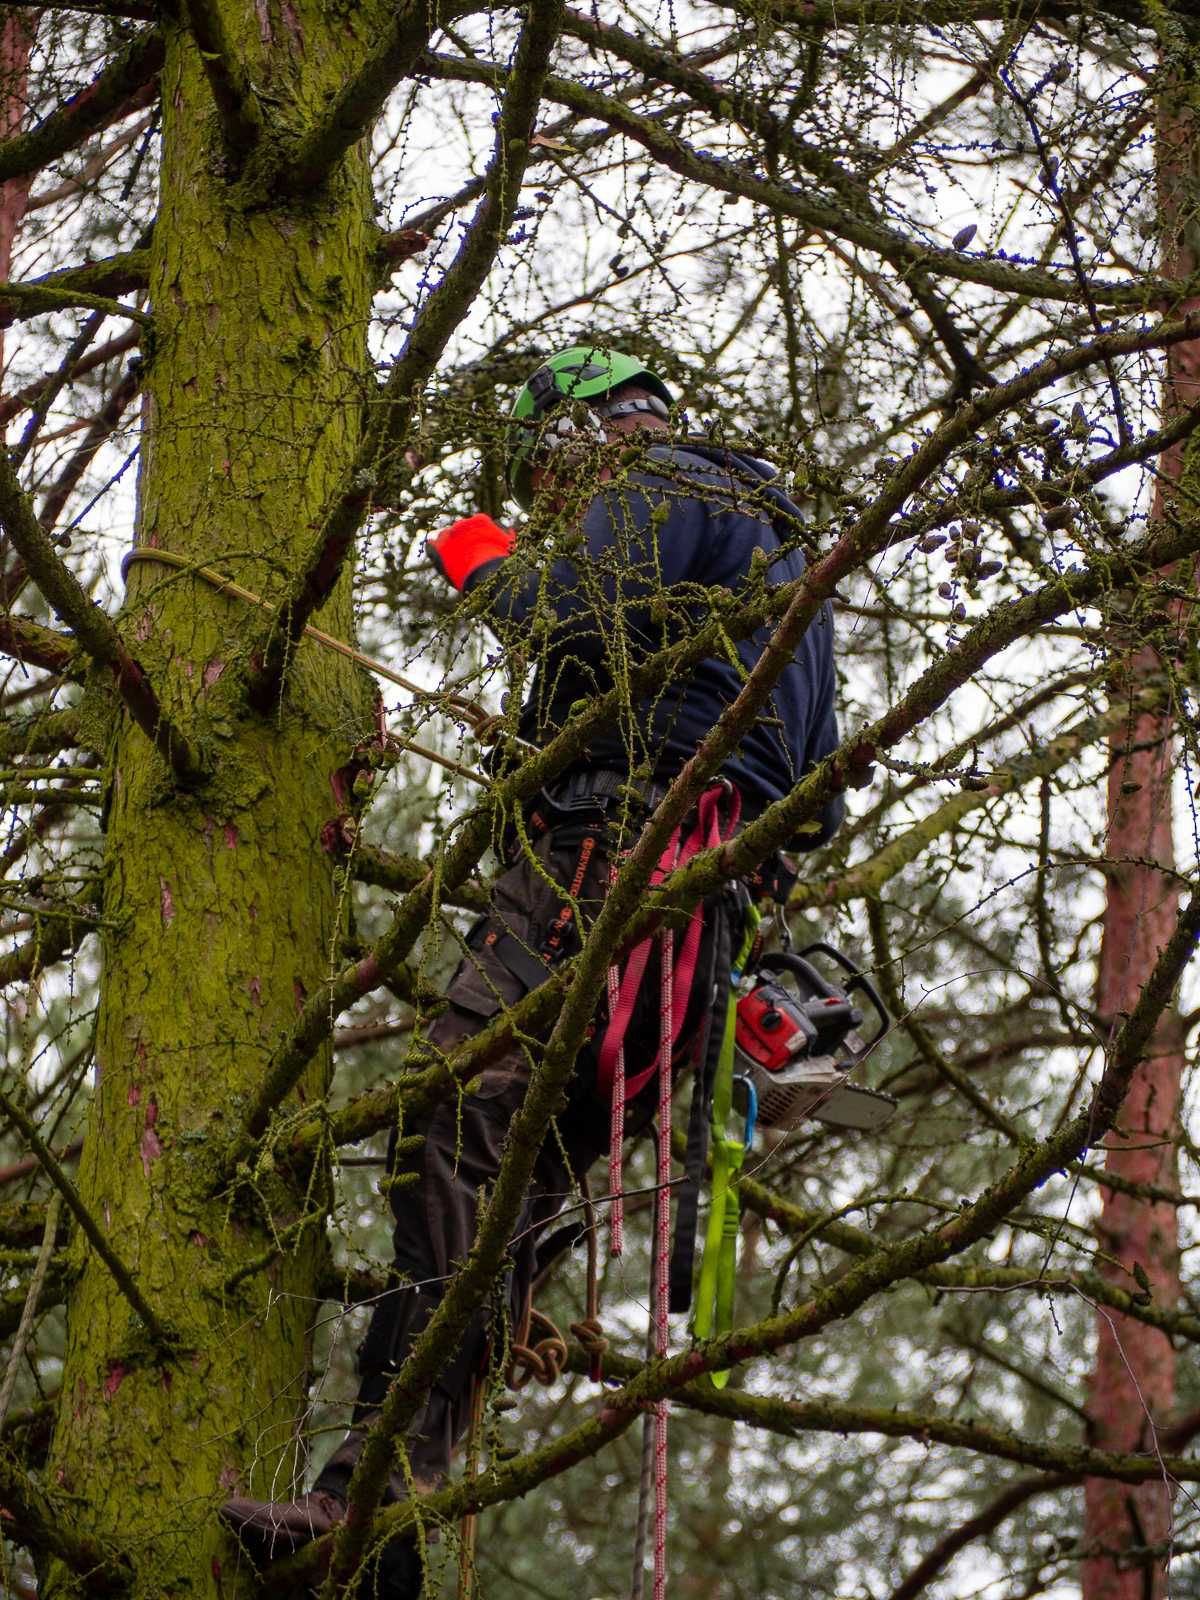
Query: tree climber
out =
(654, 532)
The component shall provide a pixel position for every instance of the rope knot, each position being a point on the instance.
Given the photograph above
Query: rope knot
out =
(590, 1337)
(538, 1360)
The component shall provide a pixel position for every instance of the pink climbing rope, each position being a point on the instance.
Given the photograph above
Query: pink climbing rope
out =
(662, 1260)
(623, 989)
(616, 1126)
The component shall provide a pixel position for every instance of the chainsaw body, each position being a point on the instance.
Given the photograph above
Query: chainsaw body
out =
(797, 1040)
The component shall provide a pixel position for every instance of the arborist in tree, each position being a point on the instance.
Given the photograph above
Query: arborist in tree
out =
(648, 536)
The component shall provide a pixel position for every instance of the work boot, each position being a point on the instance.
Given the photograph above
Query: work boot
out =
(273, 1529)
(270, 1530)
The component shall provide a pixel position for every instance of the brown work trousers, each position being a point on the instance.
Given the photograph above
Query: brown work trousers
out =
(436, 1218)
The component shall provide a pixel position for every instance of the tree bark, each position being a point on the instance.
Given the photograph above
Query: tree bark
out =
(221, 909)
(18, 29)
(1132, 1391)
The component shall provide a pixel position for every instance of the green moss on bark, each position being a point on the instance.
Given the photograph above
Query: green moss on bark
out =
(221, 907)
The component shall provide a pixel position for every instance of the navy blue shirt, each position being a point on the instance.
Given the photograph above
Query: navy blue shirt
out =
(651, 553)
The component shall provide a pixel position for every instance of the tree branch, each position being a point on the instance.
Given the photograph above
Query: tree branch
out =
(238, 109)
(40, 735)
(86, 287)
(792, 1419)
(53, 938)
(11, 405)
(28, 641)
(439, 317)
(756, 117)
(354, 111)
(866, 878)
(39, 1522)
(819, 16)
(92, 627)
(99, 431)
(53, 385)
(978, 1527)
(728, 177)
(387, 870)
(105, 99)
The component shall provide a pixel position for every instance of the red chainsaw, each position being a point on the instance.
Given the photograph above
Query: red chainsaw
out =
(798, 1040)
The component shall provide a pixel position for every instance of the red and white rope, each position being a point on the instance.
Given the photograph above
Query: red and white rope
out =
(616, 1130)
(662, 1247)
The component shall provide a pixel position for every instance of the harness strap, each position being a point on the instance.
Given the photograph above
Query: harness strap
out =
(714, 1300)
(532, 967)
(554, 944)
(687, 1211)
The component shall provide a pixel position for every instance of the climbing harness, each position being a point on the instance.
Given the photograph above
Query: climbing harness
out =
(482, 724)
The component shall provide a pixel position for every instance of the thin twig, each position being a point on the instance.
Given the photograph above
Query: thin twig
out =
(121, 1275)
(93, 627)
(36, 1284)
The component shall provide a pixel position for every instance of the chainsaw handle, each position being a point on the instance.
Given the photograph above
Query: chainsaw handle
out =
(858, 981)
(786, 961)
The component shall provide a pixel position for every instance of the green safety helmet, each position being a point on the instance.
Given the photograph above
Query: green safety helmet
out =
(584, 372)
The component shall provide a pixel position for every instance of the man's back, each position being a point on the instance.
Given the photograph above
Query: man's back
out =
(661, 549)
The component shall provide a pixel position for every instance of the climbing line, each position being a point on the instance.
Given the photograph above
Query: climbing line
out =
(482, 722)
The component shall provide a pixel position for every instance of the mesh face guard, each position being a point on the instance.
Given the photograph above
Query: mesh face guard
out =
(586, 376)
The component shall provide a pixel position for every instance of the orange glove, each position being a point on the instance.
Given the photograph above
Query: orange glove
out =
(466, 545)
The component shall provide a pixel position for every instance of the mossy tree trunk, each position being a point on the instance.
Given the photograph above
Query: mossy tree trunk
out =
(221, 909)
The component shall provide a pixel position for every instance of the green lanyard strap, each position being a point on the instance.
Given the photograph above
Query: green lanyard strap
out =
(718, 1267)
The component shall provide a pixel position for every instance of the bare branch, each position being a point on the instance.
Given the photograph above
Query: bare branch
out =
(114, 93)
(439, 317)
(92, 626)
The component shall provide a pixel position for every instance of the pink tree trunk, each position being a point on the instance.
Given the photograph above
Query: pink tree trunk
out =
(1127, 1530)
(18, 30)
